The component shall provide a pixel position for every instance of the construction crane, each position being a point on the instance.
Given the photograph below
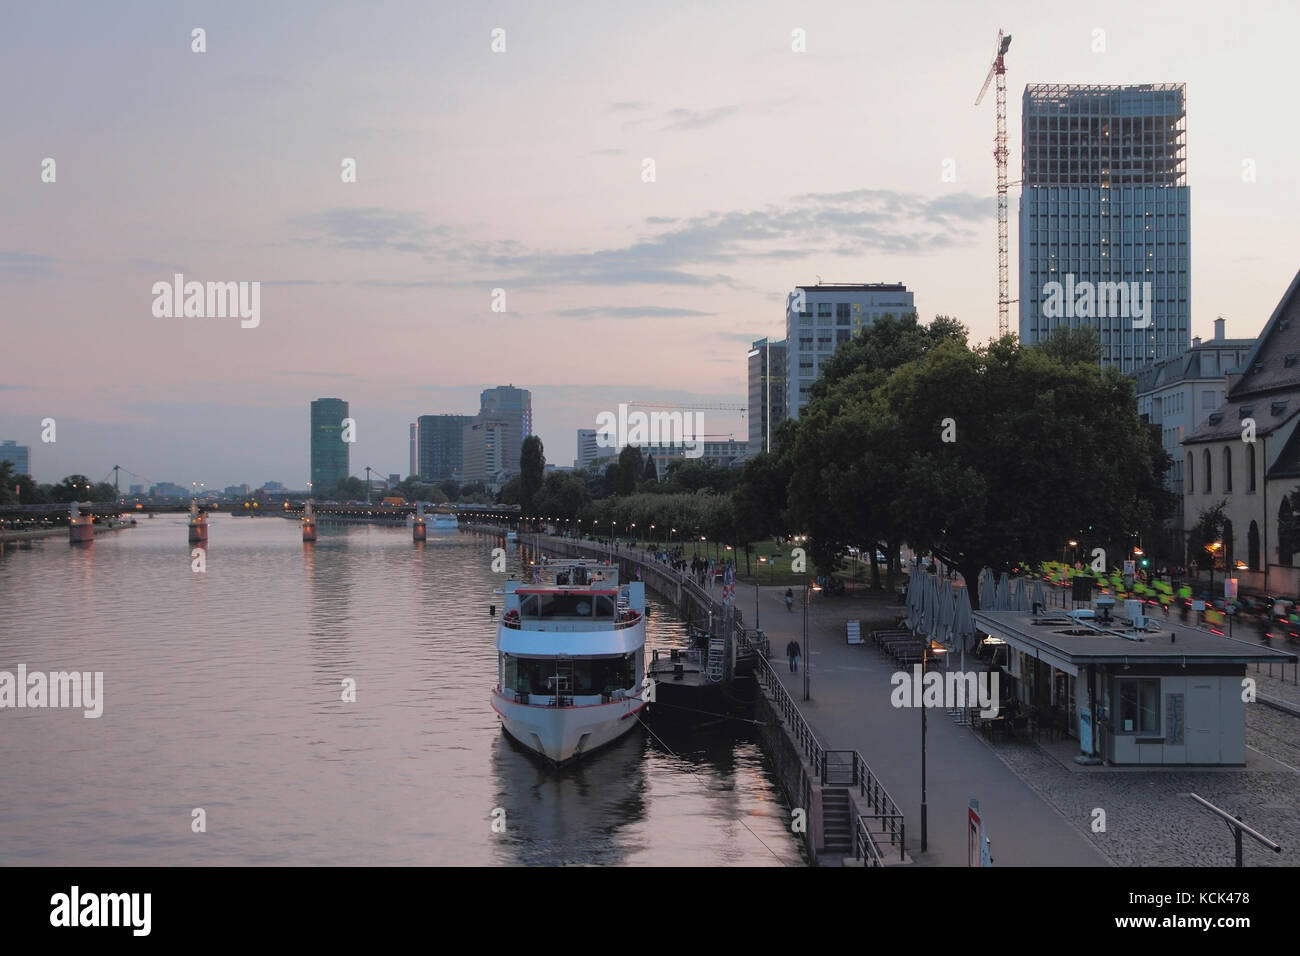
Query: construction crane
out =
(998, 71)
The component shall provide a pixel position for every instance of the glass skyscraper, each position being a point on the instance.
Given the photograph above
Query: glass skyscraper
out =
(440, 445)
(329, 452)
(1104, 218)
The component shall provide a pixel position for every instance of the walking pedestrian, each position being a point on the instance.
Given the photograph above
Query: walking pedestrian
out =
(789, 600)
(792, 652)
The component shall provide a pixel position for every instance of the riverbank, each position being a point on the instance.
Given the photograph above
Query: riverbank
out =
(7, 537)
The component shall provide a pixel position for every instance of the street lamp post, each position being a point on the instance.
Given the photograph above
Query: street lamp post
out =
(924, 809)
(809, 588)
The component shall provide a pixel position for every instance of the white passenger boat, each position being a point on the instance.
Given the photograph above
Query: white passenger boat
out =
(512, 537)
(442, 522)
(570, 659)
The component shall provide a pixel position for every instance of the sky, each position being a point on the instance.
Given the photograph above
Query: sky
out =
(524, 170)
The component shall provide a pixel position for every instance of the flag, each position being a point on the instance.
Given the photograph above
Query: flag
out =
(729, 584)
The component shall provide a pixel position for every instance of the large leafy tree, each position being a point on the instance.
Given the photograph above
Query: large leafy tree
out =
(836, 471)
(1003, 453)
(563, 495)
(532, 468)
(631, 466)
(7, 483)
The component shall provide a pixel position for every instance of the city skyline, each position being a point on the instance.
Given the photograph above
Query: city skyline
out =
(769, 174)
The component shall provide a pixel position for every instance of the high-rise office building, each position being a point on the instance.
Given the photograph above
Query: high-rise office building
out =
(484, 443)
(329, 452)
(413, 468)
(1104, 227)
(588, 449)
(441, 438)
(20, 456)
(514, 407)
(767, 371)
(831, 313)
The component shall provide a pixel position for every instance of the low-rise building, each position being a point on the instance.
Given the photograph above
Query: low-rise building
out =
(1165, 694)
(1246, 454)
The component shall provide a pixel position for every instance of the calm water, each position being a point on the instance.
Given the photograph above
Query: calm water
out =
(222, 690)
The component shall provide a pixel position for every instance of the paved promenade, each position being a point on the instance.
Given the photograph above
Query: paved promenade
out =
(850, 709)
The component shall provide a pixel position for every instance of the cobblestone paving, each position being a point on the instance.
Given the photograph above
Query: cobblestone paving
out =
(1151, 821)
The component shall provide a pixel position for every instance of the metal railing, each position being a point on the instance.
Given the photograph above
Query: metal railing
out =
(864, 845)
(847, 768)
(799, 728)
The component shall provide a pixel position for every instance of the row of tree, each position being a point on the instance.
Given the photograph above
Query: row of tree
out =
(23, 490)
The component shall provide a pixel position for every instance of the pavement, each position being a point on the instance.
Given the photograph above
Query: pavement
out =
(850, 709)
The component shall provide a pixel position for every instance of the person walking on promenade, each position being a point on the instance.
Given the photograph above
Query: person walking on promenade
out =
(789, 600)
(792, 652)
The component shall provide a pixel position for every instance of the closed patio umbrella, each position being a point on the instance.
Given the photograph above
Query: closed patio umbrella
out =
(1002, 599)
(1037, 596)
(947, 614)
(987, 589)
(1020, 602)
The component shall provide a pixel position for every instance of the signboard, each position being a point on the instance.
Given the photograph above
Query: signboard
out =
(977, 842)
(1198, 606)
(1230, 589)
(1174, 719)
(1130, 568)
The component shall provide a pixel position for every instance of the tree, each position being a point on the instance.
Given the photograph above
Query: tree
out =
(630, 467)
(7, 483)
(532, 469)
(511, 492)
(986, 457)
(563, 496)
(30, 493)
(1073, 346)
(651, 474)
(451, 489)
(1208, 530)
(613, 480)
(73, 488)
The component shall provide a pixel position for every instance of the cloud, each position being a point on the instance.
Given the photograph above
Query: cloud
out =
(694, 252)
(370, 229)
(156, 267)
(627, 312)
(697, 119)
(627, 106)
(26, 265)
(609, 152)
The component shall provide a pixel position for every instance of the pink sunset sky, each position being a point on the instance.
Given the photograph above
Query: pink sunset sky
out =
(522, 170)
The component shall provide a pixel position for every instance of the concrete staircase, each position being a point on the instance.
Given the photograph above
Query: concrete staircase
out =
(837, 822)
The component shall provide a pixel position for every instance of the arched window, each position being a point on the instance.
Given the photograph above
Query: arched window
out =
(1209, 480)
(1285, 536)
(1252, 544)
(1191, 475)
(1227, 470)
(1250, 468)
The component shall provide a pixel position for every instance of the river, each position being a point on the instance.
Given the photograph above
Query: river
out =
(223, 693)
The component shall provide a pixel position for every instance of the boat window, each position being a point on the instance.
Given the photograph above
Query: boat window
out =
(583, 606)
(528, 606)
(602, 675)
